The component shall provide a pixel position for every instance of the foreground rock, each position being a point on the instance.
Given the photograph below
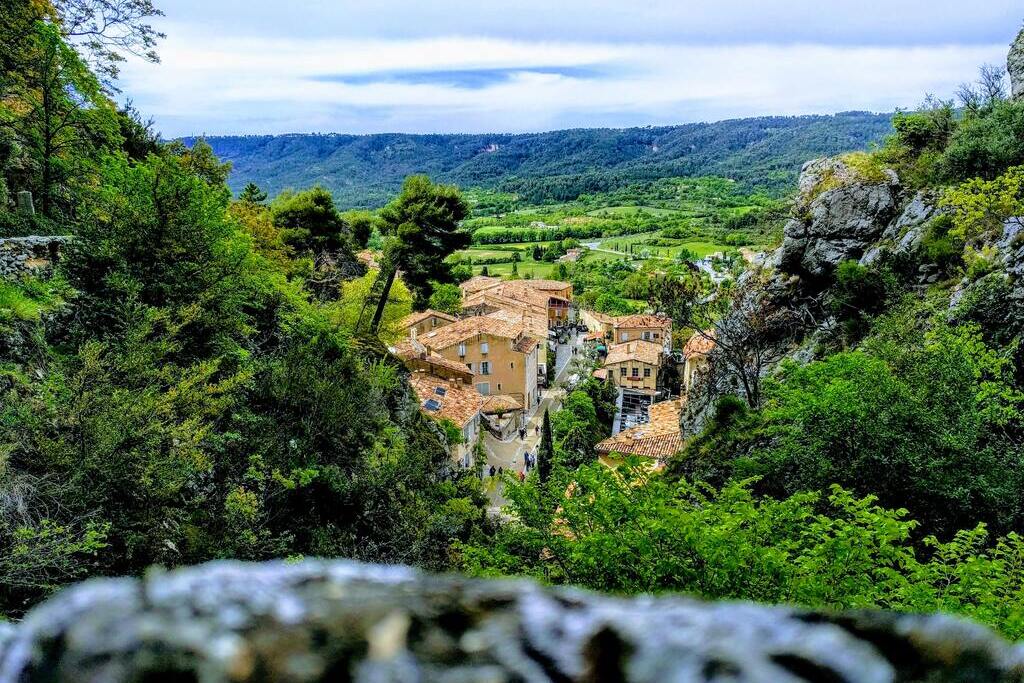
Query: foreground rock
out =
(343, 621)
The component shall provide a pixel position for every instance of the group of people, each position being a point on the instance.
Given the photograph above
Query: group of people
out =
(529, 459)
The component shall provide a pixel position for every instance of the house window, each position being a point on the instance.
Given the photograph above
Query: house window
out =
(647, 336)
(499, 386)
(647, 372)
(470, 366)
(512, 365)
(656, 335)
(485, 367)
(636, 372)
(484, 388)
(624, 336)
(485, 348)
(622, 372)
(462, 349)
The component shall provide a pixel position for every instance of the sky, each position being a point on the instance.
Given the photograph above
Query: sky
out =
(476, 66)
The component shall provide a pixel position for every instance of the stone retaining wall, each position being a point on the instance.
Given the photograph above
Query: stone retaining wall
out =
(29, 255)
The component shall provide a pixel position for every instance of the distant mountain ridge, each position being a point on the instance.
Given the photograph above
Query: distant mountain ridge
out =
(365, 170)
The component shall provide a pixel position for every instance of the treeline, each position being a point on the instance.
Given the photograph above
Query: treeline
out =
(761, 153)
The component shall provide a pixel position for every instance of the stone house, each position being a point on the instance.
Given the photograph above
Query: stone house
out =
(633, 366)
(695, 356)
(424, 321)
(501, 355)
(657, 440)
(646, 327)
(452, 400)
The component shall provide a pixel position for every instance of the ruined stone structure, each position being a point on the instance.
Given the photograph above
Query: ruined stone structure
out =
(344, 621)
(29, 255)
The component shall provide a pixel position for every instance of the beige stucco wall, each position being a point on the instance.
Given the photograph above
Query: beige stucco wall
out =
(615, 372)
(511, 372)
(628, 334)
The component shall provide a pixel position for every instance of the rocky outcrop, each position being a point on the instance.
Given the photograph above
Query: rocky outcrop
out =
(837, 217)
(29, 255)
(1015, 65)
(342, 621)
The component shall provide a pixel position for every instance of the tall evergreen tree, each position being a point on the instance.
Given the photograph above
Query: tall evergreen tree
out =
(423, 222)
(252, 194)
(546, 450)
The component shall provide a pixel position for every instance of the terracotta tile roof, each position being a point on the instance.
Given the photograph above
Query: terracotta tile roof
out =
(416, 318)
(643, 320)
(659, 439)
(459, 331)
(478, 283)
(369, 259)
(416, 355)
(534, 322)
(457, 402)
(600, 373)
(638, 350)
(500, 403)
(547, 285)
(699, 344)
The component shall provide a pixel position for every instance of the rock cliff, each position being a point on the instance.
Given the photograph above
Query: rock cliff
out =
(1015, 65)
(343, 621)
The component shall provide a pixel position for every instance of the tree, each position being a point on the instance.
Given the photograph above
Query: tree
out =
(545, 450)
(252, 194)
(629, 530)
(424, 223)
(447, 298)
(309, 222)
(361, 225)
(67, 120)
(107, 29)
(749, 326)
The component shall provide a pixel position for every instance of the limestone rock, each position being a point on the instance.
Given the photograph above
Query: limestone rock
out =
(840, 224)
(1015, 65)
(342, 621)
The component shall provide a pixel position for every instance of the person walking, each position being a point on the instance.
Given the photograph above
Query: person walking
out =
(492, 470)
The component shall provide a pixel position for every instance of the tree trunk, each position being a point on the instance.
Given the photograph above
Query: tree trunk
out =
(382, 302)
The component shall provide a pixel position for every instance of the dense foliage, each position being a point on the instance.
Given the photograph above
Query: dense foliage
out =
(764, 153)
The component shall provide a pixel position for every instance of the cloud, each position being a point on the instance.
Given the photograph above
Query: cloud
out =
(214, 79)
(468, 79)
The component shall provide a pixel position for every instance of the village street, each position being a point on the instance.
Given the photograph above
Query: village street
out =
(508, 455)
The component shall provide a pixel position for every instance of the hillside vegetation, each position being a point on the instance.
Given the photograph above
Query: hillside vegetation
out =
(363, 170)
(206, 374)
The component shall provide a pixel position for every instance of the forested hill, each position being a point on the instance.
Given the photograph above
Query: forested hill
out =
(364, 170)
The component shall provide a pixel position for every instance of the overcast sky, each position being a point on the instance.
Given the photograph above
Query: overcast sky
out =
(364, 66)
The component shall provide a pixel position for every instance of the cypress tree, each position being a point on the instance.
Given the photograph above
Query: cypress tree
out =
(546, 451)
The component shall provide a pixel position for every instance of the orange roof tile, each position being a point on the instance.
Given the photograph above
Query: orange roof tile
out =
(659, 438)
(638, 350)
(699, 344)
(643, 320)
(459, 331)
(478, 283)
(496, 404)
(420, 316)
(457, 402)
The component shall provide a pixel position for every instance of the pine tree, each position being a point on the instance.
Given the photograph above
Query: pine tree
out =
(252, 194)
(546, 451)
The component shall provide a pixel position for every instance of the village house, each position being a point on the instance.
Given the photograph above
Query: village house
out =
(453, 401)
(598, 323)
(633, 366)
(646, 327)
(547, 303)
(695, 356)
(425, 321)
(657, 440)
(501, 355)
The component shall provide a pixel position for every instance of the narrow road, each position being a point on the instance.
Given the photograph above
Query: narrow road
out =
(508, 455)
